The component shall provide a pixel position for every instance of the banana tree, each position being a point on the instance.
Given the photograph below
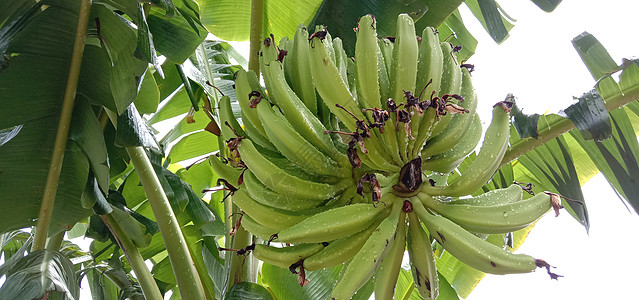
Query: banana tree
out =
(132, 98)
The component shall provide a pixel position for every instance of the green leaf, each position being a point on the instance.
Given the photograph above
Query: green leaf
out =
(174, 37)
(39, 272)
(92, 197)
(148, 96)
(594, 55)
(230, 19)
(590, 116)
(248, 291)
(547, 5)
(340, 16)
(454, 31)
(492, 17)
(193, 145)
(617, 157)
(133, 131)
(526, 125)
(552, 169)
(284, 284)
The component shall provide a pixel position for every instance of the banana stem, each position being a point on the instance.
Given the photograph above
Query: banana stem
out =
(257, 19)
(57, 157)
(186, 274)
(240, 264)
(546, 134)
(147, 283)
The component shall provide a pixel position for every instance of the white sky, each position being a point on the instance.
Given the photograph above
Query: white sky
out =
(539, 65)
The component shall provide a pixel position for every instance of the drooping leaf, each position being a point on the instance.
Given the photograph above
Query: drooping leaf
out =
(453, 30)
(526, 125)
(174, 37)
(133, 131)
(148, 97)
(552, 169)
(39, 272)
(496, 22)
(617, 157)
(547, 5)
(590, 116)
(341, 16)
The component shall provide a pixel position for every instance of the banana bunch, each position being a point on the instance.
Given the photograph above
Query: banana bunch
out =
(330, 165)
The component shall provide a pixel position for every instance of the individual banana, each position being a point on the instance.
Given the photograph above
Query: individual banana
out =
(233, 129)
(366, 61)
(298, 68)
(404, 73)
(429, 75)
(447, 161)
(459, 123)
(388, 271)
(280, 181)
(422, 259)
(487, 161)
(231, 174)
(472, 250)
(284, 257)
(341, 59)
(501, 218)
(510, 194)
(331, 224)
(365, 262)
(451, 82)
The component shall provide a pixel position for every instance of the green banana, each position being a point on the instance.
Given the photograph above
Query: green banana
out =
(226, 116)
(245, 83)
(298, 68)
(506, 217)
(388, 271)
(225, 171)
(429, 76)
(451, 82)
(422, 258)
(512, 193)
(294, 147)
(266, 196)
(366, 61)
(404, 71)
(487, 161)
(386, 51)
(339, 251)
(260, 230)
(472, 250)
(447, 161)
(284, 257)
(276, 218)
(280, 181)
(365, 262)
(341, 59)
(331, 224)
(459, 123)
